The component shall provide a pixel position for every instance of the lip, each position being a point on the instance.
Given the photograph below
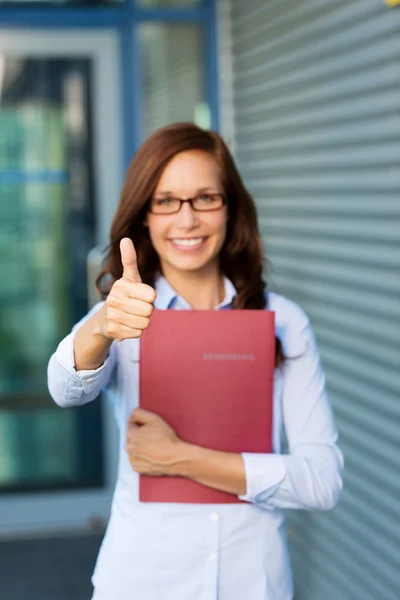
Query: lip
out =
(194, 248)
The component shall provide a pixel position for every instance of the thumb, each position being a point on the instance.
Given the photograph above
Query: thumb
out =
(140, 416)
(129, 261)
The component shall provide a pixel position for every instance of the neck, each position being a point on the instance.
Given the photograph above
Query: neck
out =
(202, 290)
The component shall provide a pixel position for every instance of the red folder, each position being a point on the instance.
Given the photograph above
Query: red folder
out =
(209, 374)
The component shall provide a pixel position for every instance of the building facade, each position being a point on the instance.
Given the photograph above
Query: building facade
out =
(316, 131)
(307, 96)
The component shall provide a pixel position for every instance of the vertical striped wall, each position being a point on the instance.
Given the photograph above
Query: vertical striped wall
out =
(316, 119)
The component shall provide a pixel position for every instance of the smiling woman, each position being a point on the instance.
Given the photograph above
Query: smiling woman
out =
(185, 236)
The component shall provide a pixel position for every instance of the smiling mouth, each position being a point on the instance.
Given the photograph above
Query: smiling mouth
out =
(188, 242)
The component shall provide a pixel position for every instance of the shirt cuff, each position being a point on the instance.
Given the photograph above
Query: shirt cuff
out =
(264, 472)
(65, 356)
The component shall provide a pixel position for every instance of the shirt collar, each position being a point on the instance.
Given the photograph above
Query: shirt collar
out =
(167, 297)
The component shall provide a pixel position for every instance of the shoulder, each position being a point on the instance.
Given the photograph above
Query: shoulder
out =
(292, 324)
(286, 311)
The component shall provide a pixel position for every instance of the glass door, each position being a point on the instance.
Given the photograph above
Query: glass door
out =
(60, 173)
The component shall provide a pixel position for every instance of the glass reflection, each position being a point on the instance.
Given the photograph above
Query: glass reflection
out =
(173, 75)
(46, 230)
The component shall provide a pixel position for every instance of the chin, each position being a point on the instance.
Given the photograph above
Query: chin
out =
(191, 264)
(189, 267)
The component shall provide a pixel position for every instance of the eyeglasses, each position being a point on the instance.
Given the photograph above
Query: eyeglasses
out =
(169, 205)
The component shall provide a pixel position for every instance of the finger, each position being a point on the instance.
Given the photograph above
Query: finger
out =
(118, 320)
(135, 307)
(121, 332)
(140, 292)
(146, 293)
(142, 416)
(129, 261)
(140, 466)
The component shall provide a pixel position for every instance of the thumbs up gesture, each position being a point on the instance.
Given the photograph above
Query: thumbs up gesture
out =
(130, 302)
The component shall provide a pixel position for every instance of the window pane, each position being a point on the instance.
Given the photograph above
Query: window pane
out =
(173, 75)
(46, 230)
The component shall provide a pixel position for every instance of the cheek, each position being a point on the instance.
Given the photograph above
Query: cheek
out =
(220, 225)
(156, 232)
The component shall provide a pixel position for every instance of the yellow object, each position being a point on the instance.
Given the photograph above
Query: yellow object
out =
(392, 3)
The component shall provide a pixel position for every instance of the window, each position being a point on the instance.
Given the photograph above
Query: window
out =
(46, 231)
(173, 75)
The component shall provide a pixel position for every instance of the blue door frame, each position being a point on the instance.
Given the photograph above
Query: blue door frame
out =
(126, 18)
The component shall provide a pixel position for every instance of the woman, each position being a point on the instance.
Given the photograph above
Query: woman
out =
(185, 236)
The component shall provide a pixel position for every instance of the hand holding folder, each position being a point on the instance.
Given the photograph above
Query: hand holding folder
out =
(214, 389)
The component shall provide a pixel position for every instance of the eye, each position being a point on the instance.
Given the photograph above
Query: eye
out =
(163, 201)
(205, 198)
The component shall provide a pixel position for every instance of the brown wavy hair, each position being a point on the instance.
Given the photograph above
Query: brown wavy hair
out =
(241, 257)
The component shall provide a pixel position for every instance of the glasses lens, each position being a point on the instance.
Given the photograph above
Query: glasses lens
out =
(164, 205)
(208, 201)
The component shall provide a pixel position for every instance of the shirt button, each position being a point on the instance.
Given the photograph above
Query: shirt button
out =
(212, 556)
(214, 517)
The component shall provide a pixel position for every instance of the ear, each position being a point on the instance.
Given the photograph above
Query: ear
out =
(145, 222)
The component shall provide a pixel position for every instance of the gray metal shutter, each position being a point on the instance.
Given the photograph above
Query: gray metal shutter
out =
(317, 138)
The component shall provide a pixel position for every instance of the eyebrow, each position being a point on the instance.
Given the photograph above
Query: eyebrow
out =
(199, 191)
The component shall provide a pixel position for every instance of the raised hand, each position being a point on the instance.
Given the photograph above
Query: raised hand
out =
(129, 304)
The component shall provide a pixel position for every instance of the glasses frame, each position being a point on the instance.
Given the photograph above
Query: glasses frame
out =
(191, 201)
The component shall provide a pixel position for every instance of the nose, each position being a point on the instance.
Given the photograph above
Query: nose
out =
(186, 218)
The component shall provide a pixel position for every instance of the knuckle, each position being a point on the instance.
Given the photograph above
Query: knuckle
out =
(110, 315)
(148, 310)
(121, 282)
(148, 293)
(135, 287)
(152, 294)
(120, 289)
(114, 332)
(116, 288)
(109, 330)
(113, 302)
(135, 333)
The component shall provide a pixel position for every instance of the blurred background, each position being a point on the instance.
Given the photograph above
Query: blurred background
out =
(307, 95)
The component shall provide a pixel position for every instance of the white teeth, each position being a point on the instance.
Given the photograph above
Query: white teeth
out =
(185, 242)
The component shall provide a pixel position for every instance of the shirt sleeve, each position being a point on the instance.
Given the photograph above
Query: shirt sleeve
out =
(69, 387)
(309, 476)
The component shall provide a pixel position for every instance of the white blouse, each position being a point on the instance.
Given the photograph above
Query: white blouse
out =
(157, 551)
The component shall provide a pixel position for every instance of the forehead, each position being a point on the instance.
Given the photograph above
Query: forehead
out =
(189, 171)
